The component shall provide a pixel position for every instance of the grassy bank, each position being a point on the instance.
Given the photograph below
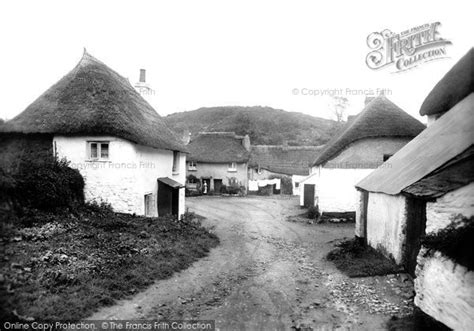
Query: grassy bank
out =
(65, 266)
(358, 260)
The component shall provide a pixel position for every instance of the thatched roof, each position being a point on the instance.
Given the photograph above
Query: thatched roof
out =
(435, 147)
(288, 160)
(380, 118)
(93, 99)
(217, 147)
(452, 88)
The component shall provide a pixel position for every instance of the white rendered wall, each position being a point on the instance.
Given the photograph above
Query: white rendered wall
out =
(444, 289)
(335, 189)
(123, 180)
(440, 213)
(386, 222)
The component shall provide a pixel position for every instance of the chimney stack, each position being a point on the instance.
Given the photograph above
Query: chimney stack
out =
(142, 76)
(246, 142)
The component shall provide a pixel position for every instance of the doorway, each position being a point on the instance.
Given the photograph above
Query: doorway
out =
(309, 195)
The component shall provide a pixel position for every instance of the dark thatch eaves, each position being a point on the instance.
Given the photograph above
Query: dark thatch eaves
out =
(217, 147)
(452, 88)
(93, 99)
(380, 118)
(287, 160)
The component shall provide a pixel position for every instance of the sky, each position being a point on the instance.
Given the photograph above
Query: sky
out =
(282, 54)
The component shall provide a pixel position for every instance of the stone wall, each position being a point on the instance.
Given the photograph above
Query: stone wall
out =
(444, 289)
(126, 177)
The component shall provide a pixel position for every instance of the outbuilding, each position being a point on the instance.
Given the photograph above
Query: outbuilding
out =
(426, 193)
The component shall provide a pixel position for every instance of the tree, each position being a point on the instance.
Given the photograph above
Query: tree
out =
(339, 106)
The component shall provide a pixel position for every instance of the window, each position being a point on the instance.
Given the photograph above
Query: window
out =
(297, 184)
(386, 157)
(232, 166)
(98, 150)
(192, 165)
(175, 162)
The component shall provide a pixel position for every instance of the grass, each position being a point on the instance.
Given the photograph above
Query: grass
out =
(355, 259)
(64, 267)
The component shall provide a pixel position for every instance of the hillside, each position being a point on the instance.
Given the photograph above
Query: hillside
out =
(265, 125)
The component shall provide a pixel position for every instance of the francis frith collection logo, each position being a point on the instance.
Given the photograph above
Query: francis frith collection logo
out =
(407, 49)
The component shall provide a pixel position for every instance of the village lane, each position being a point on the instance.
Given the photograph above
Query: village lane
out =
(266, 274)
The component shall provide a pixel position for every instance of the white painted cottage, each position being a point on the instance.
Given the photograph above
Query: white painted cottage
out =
(364, 144)
(429, 187)
(127, 155)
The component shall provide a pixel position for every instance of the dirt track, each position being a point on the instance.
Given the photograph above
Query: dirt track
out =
(267, 274)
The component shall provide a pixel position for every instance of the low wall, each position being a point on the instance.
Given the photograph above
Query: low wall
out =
(445, 291)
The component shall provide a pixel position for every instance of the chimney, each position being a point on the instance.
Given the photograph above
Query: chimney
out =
(142, 76)
(246, 142)
(186, 136)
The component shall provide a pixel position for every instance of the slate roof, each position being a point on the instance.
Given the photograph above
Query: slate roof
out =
(444, 140)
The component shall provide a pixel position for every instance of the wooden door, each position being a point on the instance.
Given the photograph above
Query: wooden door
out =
(415, 229)
(309, 195)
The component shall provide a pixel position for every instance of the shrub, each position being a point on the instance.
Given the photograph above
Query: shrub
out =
(455, 241)
(223, 189)
(44, 184)
(313, 212)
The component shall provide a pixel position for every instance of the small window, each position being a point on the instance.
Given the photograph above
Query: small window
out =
(297, 184)
(386, 157)
(175, 162)
(98, 150)
(192, 165)
(232, 166)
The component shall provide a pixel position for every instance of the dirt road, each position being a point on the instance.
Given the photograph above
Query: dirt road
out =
(267, 274)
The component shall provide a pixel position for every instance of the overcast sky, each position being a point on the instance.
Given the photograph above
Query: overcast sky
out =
(217, 53)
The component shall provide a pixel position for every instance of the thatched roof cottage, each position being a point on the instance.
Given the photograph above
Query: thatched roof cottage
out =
(270, 161)
(429, 190)
(95, 119)
(217, 160)
(366, 142)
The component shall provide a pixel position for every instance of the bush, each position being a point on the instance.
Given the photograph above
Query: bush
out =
(455, 241)
(313, 212)
(46, 184)
(223, 189)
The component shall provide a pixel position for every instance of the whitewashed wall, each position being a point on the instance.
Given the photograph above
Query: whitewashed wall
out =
(297, 179)
(335, 181)
(440, 213)
(123, 180)
(386, 223)
(445, 290)
(336, 189)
